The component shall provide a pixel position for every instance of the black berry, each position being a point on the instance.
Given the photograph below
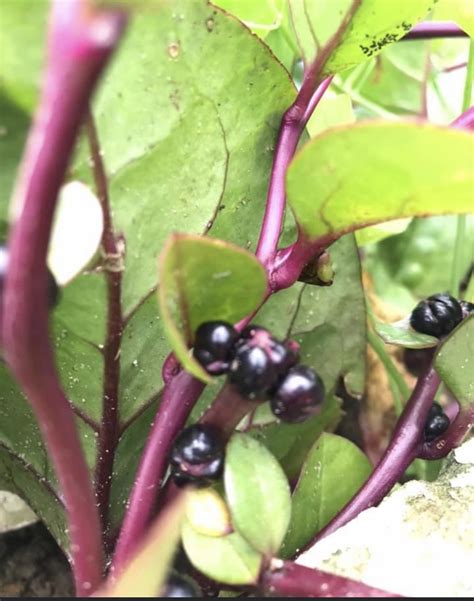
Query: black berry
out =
(259, 361)
(197, 456)
(467, 308)
(213, 345)
(436, 424)
(299, 395)
(437, 315)
(177, 586)
(417, 360)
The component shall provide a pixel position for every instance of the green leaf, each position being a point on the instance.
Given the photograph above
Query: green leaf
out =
(332, 110)
(202, 280)
(334, 471)
(344, 33)
(261, 17)
(256, 489)
(418, 262)
(459, 11)
(228, 559)
(290, 443)
(355, 176)
(144, 576)
(455, 362)
(401, 334)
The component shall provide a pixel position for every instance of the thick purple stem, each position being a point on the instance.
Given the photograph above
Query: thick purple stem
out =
(292, 126)
(401, 451)
(288, 579)
(434, 29)
(466, 120)
(109, 426)
(80, 44)
(179, 397)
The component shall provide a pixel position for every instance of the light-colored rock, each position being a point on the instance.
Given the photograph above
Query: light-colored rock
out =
(418, 542)
(14, 512)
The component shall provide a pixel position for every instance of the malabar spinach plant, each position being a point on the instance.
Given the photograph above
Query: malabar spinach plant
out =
(207, 183)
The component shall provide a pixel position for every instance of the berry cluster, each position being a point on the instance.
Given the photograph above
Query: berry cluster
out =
(261, 367)
(439, 314)
(436, 423)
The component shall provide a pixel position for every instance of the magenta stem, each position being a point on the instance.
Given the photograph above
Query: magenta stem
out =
(80, 44)
(291, 128)
(179, 397)
(434, 29)
(288, 579)
(401, 451)
(465, 120)
(112, 265)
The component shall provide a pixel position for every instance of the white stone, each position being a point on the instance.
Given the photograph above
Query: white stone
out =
(418, 542)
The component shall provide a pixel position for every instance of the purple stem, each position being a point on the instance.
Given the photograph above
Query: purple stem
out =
(288, 579)
(178, 399)
(465, 120)
(401, 451)
(434, 29)
(291, 128)
(109, 426)
(80, 44)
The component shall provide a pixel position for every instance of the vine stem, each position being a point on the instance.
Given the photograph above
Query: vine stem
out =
(465, 120)
(402, 450)
(80, 43)
(288, 579)
(109, 426)
(429, 30)
(179, 397)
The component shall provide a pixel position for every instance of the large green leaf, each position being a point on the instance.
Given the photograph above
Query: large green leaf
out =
(334, 471)
(344, 33)
(256, 489)
(201, 280)
(228, 559)
(455, 362)
(368, 173)
(187, 142)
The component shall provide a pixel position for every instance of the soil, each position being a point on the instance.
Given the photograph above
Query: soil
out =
(32, 565)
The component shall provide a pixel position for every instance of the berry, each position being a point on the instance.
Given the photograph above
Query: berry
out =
(177, 586)
(437, 315)
(467, 307)
(436, 425)
(299, 395)
(214, 344)
(259, 361)
(417, 359)
(197, 456)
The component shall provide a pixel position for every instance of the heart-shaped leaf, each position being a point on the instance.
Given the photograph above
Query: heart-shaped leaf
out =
(333, 472)
(401, 334)
(203, 280)
(257, 492)
(228, 559)
(455, 362)
(351, 177)
(344, 33)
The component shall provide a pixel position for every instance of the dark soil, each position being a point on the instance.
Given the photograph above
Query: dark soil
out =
(32, 565)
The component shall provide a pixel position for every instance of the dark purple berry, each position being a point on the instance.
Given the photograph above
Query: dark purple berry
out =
(467, 308)
(197, 456)
(437, 315)
(299, 395)
(213, 345)
(435, 425)
(177, 586)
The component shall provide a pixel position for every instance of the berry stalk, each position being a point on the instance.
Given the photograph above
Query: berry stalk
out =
(80, 44)
(401, 451)
(434, 29)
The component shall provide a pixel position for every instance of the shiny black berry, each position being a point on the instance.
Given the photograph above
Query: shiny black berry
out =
(437, 315)
(467, 308)
(299, 395)
(436, 424)
(213, 345)
(197, 456)
(177, 586)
